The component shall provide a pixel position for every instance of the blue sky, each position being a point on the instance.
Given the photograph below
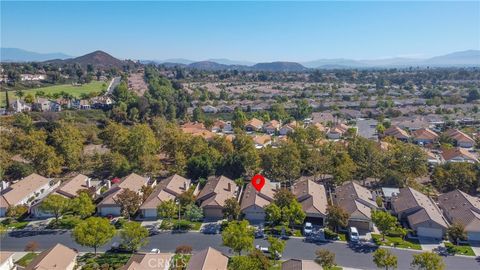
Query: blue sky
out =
(251, 31)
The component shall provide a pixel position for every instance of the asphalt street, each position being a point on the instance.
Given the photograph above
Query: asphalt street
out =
(355, 257)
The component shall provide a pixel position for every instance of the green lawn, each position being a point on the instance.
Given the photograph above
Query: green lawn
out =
(65, 223)
(396, 242)
(25, 260)
(76, 91)
(277, 230)
(13, 224)
(113, 260)
(183, 224)
(461, 249)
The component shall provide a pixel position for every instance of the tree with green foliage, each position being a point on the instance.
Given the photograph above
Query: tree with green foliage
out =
(384, 258)
(198, 115)
(367, 158)
(384, 221)
(200, 166)
(288, 164)
(55, 204)
(18, 170)
(456, 232)
(129, 202)
(283, 197)
(276, 247)
(294, 213)
(337, 217)
(325, 258)
(167, 209)
(254, 260)
(246, 153)
(68, 141)
(16, 211)
(302, 110)
(23, 121)
(193, 212)
(139, 143)
(456, 175)
(273, 213)
(238, 235)
(43, 157)
(407, 159)
(239, 118)
(116, 164)
(93, 232)
(278, 112)
(82, 205)
(343, 167)
(133, 236)
(231, 210)
(428, 261)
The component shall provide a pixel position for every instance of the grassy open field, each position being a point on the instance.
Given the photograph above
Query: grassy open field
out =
(94, 86)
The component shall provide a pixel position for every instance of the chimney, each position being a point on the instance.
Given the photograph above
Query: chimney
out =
(229, 186)
(184, 185)
(109, 184)
(89, 184)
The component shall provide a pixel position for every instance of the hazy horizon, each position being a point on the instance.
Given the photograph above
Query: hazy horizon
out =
(246, 31)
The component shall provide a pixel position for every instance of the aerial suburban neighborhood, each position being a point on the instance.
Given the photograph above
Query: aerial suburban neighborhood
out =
(122, 161)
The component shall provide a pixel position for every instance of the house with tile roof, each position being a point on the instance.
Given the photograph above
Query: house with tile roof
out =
(25, 192)
(271, 127)
(337, 131)
(149, 261)
(58, 257)
(458, 155)
(254, 124)
(167, 189)
(313, 198)
(213, 195)
(420, 212)
(262, 141)
(460, 207)
(253, 202)
(109, 206)
(460, 138)
(358, 202)
(424, 136)
(397, 133)
(68, 189)
(208, 259)
(288, 128)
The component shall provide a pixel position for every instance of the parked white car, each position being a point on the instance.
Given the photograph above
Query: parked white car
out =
(308, 228)
(353, 234)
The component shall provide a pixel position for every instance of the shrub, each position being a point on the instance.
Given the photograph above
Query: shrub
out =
(183, 249)
(166, 225)
(329, 234)
(183, 225)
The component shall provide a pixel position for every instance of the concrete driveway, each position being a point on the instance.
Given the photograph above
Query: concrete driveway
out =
(429, 244)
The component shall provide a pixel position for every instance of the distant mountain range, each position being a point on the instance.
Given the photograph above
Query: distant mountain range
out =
(468, 58)
(19, 55)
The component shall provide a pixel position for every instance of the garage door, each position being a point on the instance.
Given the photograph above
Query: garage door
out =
(360, 225)
(255, 216)
(473, 236)
(429, 232)
(212, 213)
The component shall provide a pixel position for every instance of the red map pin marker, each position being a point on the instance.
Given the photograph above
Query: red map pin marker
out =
(258, 181)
